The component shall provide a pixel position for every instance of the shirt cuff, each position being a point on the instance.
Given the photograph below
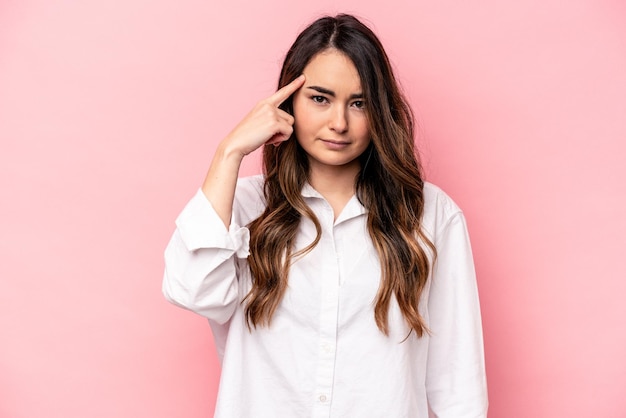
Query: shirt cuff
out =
(201, 227)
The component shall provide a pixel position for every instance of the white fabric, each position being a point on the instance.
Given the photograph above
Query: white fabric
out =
(323, 355)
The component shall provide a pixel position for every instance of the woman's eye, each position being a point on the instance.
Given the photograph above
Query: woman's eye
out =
(359, 104)
(319, 99)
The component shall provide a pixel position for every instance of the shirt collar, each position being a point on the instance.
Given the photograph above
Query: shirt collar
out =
(309, 191)
(352, 209)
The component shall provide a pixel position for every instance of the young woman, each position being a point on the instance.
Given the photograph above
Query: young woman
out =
(339, 283)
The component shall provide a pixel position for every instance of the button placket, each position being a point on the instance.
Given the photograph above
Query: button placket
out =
(329, 307)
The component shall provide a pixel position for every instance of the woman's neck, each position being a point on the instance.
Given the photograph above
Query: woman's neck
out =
(335, 184)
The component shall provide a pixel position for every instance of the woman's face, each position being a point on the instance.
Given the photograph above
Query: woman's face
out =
(329, 112)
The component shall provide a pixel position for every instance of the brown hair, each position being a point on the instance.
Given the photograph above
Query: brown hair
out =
(389, 185)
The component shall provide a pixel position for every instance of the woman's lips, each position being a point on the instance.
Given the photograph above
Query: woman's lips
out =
(334, 144)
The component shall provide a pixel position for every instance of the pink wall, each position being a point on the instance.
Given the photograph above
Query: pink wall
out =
(109, 112)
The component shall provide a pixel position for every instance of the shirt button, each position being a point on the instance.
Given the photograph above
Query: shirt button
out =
(323, 398)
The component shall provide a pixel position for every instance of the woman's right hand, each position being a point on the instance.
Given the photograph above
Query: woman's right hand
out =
(265, 124)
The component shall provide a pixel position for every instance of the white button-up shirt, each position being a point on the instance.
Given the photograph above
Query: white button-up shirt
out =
(323, 355)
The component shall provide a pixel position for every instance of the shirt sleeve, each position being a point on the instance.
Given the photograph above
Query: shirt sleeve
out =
(456, 382)
(200, 261)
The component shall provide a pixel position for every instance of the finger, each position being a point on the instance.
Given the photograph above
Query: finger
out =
(283, 94)
(281, 135)
(277, 139)
(286, 117)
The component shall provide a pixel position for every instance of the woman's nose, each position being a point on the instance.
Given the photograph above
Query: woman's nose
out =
(338, 120)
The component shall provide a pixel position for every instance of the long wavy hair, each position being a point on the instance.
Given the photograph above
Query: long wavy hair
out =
(389, 185)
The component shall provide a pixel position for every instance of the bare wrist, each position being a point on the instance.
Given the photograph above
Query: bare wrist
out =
(226, 152)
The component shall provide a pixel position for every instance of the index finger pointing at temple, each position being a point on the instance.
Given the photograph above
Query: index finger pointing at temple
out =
(283, 94)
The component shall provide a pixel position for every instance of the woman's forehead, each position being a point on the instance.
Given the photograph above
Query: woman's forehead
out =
(333, 70)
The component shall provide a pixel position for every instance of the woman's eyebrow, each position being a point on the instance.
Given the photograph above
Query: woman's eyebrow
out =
(332, 93)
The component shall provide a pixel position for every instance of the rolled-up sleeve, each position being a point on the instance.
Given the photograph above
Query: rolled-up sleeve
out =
(455, 382)
(200, 261)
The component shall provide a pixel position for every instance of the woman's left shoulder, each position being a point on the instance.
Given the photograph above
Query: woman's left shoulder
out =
(439, 208)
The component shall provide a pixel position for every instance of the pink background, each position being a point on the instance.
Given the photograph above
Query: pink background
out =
(109, 113)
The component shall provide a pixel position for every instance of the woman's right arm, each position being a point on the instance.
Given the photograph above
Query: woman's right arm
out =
(200, 259)
(266, 123)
